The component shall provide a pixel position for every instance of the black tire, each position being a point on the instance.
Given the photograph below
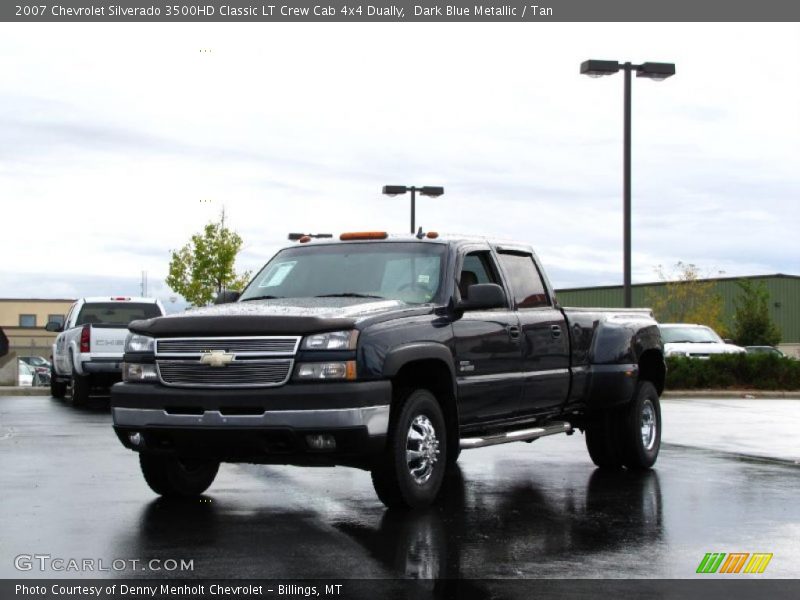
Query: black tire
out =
(614, 438)
(392, 477)
(602, 440)
(80, 387)
(640, 430)
(177, 478)
(58, 389)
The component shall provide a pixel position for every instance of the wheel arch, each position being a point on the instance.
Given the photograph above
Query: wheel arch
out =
(428, 367)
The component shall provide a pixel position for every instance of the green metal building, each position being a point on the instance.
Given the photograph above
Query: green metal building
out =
(784, 301)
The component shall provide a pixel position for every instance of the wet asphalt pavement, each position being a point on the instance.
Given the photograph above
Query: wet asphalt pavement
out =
(70, 490)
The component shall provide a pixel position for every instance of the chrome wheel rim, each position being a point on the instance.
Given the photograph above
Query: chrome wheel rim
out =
(648, 425)
(422, 449)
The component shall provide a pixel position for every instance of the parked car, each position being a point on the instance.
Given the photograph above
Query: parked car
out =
(41, 368)
(694, 341)
(87, 352)
(25, 374)
(389, 354)
(764, 350)
(35, 361)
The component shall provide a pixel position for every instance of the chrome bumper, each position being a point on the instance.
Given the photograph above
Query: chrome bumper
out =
(374, 418)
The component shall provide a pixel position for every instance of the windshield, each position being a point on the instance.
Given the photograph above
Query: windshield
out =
(410, 272)
(697, 335)
(115, 313)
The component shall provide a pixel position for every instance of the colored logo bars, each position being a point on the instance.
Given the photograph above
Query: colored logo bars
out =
(736, 562)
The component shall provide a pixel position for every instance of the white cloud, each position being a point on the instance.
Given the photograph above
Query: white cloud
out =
(110, 138)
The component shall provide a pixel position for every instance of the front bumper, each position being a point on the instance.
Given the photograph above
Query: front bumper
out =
(268, 425)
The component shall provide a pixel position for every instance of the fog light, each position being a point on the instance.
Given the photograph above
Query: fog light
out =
(321, 441)
(135, 438)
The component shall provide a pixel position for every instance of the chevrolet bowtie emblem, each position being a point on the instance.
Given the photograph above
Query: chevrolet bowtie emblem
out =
(216, 358)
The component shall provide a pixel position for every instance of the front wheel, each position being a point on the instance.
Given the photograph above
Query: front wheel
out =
(409, 474)
(177, 478)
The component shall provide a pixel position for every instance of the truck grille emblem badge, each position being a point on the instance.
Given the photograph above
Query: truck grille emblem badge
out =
(216, 358)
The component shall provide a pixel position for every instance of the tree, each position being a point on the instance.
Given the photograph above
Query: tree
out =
(205, 266)
(752, 325)
(687, 298)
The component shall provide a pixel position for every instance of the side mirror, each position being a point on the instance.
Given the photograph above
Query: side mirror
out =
(227, 296)
(484, 296)
(54, 326)
(727, 340)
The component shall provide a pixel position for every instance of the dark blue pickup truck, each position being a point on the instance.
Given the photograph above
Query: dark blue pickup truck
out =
(391, 354)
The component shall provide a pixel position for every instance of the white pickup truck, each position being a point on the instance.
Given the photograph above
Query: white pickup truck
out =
(88, 349)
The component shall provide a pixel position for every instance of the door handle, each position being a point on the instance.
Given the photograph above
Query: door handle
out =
(555, 330)
(513, 332)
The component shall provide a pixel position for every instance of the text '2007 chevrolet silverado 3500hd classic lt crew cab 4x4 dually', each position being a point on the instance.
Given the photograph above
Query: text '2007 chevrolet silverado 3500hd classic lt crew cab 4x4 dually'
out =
(391, 354)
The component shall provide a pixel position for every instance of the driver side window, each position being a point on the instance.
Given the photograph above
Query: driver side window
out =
(478, 267)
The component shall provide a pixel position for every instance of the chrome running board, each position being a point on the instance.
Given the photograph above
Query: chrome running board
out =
(521, 435)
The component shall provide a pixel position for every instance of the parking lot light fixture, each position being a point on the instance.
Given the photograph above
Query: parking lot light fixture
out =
(656, 71)
(650, 70)
(425, 190)
(599, 68)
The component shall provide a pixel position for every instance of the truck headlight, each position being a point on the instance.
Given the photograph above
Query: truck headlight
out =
(335, 340)
(139, 343)
(676, 353)
(344, 369)
(138, 372)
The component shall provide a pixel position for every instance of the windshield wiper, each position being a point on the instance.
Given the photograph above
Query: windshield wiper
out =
(349, 295)
(260, 298)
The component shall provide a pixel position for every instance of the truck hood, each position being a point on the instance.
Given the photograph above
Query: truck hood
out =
(695, 348)
(279, 316)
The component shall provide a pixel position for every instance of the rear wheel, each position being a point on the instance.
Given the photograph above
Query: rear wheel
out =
(629, 436)
(602, 440)
(174, 477)
(410, 472)
(640, 438)
(80, 387)
(58, 389)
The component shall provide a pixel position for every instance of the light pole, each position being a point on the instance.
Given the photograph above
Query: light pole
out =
(425, 190)
(656, 72)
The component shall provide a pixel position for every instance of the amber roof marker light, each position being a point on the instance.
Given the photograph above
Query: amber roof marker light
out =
(426, 190)
(363, 235)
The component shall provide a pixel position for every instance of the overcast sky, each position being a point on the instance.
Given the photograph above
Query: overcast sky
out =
(118, 141)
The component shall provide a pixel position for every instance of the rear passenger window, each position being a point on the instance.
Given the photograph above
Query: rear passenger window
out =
(526, 282)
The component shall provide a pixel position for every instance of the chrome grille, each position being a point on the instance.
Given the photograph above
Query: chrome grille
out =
(247, 346)
(239, 373)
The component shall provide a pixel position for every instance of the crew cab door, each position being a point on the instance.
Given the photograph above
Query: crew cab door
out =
(545, 343)
(487, 345)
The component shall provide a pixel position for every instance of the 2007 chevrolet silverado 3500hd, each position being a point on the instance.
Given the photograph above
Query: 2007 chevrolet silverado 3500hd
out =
(386, 353)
